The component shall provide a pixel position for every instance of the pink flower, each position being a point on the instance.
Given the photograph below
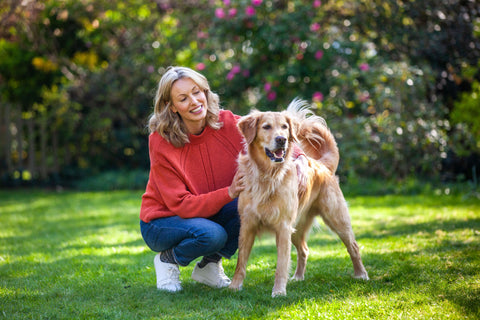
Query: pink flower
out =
(315, 27)
(236, 69)
(250, 11)
(364, 66)
(268, 86)
(200, 66)
(246, 73)
(202, 35)
(150, 69)
(317, 96)
(319, 54)
(272, 95)
(317, 3)
(232, 12)
(256, 3)
(165, 6)
(226, 2)
(219, 13)
(364, 96)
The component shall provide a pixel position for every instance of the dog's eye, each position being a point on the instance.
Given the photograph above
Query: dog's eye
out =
(284, 126)
(267, 127)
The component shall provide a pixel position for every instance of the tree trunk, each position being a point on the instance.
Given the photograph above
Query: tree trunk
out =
(19, 138)
(55, 154)
(43, 149)
(8, 138)
(31, 147)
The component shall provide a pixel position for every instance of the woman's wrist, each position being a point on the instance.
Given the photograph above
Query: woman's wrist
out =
(230, 193)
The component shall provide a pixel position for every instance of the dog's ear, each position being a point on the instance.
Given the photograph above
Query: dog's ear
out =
(293, 128)
(248, 126)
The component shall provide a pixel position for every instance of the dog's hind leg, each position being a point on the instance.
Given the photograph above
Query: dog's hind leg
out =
(335, 214)
(299, 240)
(245, 241)
(283, 234)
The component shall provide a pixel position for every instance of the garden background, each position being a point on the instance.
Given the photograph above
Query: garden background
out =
(397, 81)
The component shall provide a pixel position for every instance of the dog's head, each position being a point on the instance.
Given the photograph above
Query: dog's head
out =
(269, 134)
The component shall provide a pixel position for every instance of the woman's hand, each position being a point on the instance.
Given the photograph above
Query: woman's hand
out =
(237, 185)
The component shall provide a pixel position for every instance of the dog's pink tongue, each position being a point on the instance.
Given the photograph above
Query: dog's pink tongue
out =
(279, 153)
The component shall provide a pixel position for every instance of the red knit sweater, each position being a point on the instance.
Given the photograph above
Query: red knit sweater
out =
(192, 181)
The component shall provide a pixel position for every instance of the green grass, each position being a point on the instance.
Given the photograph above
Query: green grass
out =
(79, 255)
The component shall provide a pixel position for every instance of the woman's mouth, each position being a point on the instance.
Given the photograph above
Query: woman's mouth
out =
(197, 109)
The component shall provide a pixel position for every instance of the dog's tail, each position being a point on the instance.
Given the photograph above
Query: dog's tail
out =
(313, 134)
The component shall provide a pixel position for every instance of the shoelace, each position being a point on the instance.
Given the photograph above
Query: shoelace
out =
(221, 273)
(172, 274)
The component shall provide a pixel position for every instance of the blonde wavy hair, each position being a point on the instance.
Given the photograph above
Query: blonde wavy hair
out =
(168, 123)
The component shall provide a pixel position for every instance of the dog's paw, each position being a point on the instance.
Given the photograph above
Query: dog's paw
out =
(363, 276)
(297, 278)
(279, 293)
(235, 287)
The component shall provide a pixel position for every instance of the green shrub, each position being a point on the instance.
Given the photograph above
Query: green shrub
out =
(114, 180)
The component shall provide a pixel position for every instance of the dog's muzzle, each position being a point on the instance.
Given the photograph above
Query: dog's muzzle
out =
(278, 154)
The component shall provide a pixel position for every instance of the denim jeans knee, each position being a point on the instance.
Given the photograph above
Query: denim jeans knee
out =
(195, 237)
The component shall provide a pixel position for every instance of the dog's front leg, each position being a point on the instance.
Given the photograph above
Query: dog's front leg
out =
(245, 244)
(283, 235)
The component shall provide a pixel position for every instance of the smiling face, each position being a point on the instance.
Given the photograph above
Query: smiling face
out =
(268, 133)
(190, 102)
(273, 131)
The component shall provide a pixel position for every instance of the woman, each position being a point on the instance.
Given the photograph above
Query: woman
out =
(189, 208)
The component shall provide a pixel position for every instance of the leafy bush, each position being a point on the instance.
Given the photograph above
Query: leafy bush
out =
(378, 109)
(77, 79)
(114, 180)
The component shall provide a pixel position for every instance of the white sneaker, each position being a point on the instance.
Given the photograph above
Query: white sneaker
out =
(212, 275)
(168, 275)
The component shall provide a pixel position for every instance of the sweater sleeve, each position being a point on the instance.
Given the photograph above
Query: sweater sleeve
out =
(183, 203)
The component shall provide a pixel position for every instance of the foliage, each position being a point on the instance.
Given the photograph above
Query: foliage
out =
(80, 255)
(18, 69)
(466, 113)
(114, 180)
(79, 78)
(378, 108)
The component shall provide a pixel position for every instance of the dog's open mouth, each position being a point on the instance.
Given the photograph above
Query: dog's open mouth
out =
(277, 155)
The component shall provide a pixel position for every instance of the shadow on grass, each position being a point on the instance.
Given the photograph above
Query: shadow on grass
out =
(435, 262)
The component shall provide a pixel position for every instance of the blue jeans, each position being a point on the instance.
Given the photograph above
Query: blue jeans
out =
(195, 237)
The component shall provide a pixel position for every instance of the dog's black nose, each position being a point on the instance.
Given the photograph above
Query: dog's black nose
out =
(280, 141)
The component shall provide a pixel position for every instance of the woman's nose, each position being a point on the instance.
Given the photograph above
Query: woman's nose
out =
(193, 100)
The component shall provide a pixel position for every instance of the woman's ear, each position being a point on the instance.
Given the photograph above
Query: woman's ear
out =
(172, 107)
(248, 127)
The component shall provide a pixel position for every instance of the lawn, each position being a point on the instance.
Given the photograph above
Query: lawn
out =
(79, 255)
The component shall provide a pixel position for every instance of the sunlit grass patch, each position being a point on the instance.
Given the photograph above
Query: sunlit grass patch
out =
(76, 255)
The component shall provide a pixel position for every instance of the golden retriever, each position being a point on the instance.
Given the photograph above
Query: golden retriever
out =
(277, 198)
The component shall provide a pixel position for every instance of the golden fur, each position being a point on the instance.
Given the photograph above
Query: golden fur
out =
(278, 199)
